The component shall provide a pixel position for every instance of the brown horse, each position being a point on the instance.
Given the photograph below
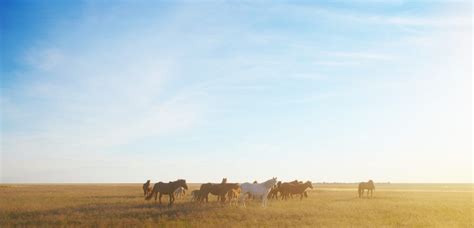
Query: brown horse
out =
(274, 191)
(220, 190)
(146, 187)
(167, 189)
(366, 185)
(233, 196)
(288, 189)
(195, 195)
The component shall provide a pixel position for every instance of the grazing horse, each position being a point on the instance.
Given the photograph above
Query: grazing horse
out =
(257, 190)
(195, 195)
(180, 192)
(220, 190)
(292, 188)
(233, 196)
(274, 191)
(167, 189)
(366, 185)
(146, 187)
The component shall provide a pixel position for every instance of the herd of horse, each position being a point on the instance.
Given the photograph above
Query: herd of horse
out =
(233, 193)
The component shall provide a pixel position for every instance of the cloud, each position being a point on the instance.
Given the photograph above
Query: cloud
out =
(358, 55)
(336, 63)
(460, 18)
(44, 58)
(111, 106)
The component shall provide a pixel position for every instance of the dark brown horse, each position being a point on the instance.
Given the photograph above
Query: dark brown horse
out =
(166, 189)
(288, 189)
(274, 191)
(220, 190)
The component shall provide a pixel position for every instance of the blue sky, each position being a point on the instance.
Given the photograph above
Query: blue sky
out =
(126, 91)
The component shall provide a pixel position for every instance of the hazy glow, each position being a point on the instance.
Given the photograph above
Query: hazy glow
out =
(95, 92)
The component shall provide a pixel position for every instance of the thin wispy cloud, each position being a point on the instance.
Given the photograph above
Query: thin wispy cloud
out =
(112, 94)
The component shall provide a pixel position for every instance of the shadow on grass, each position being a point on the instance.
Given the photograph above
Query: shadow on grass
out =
(85, 213)
(113, 197)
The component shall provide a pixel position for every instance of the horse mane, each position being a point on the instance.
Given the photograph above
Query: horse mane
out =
(272, 181)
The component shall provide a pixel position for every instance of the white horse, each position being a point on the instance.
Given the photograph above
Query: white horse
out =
(258, 190)
(180, 192)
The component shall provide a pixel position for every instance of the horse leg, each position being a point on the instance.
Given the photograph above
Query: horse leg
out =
(242, 198)
(264, 200)
(171, 200)
(159, 198)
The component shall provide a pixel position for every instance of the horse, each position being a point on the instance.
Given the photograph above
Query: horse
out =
(257, 190)
(273, 194)
(195, 195)
(366, 185)
(180, 192)
(166, 189)
(220, 190)
(292, 188)
(233, 196)
(146, 188)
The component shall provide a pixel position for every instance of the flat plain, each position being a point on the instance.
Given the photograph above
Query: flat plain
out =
(328, 205)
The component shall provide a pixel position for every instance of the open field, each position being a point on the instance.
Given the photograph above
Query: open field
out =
(334, 205)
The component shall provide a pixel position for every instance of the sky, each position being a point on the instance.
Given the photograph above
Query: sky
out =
(328, 91)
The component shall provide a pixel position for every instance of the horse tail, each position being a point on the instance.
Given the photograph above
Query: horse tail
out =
(150, 194)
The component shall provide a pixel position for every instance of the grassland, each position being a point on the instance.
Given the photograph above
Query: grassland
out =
(332, 205)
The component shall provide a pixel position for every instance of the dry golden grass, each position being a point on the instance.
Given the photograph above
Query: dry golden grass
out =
(333, 205)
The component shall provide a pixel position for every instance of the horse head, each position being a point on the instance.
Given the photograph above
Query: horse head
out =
(182, 183)
(309, 184)
(270, 183)
(371, 183)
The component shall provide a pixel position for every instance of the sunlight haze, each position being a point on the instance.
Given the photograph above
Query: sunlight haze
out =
(329, 92)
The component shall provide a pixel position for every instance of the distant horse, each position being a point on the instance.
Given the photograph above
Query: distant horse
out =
(195, 195)
(166, 189)
(273, 194)
(233, 196)
(366, 185)
(180, 192)
(305, 193)
(220, 190)
(146, 187)
(257, 190)
(293, 188)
